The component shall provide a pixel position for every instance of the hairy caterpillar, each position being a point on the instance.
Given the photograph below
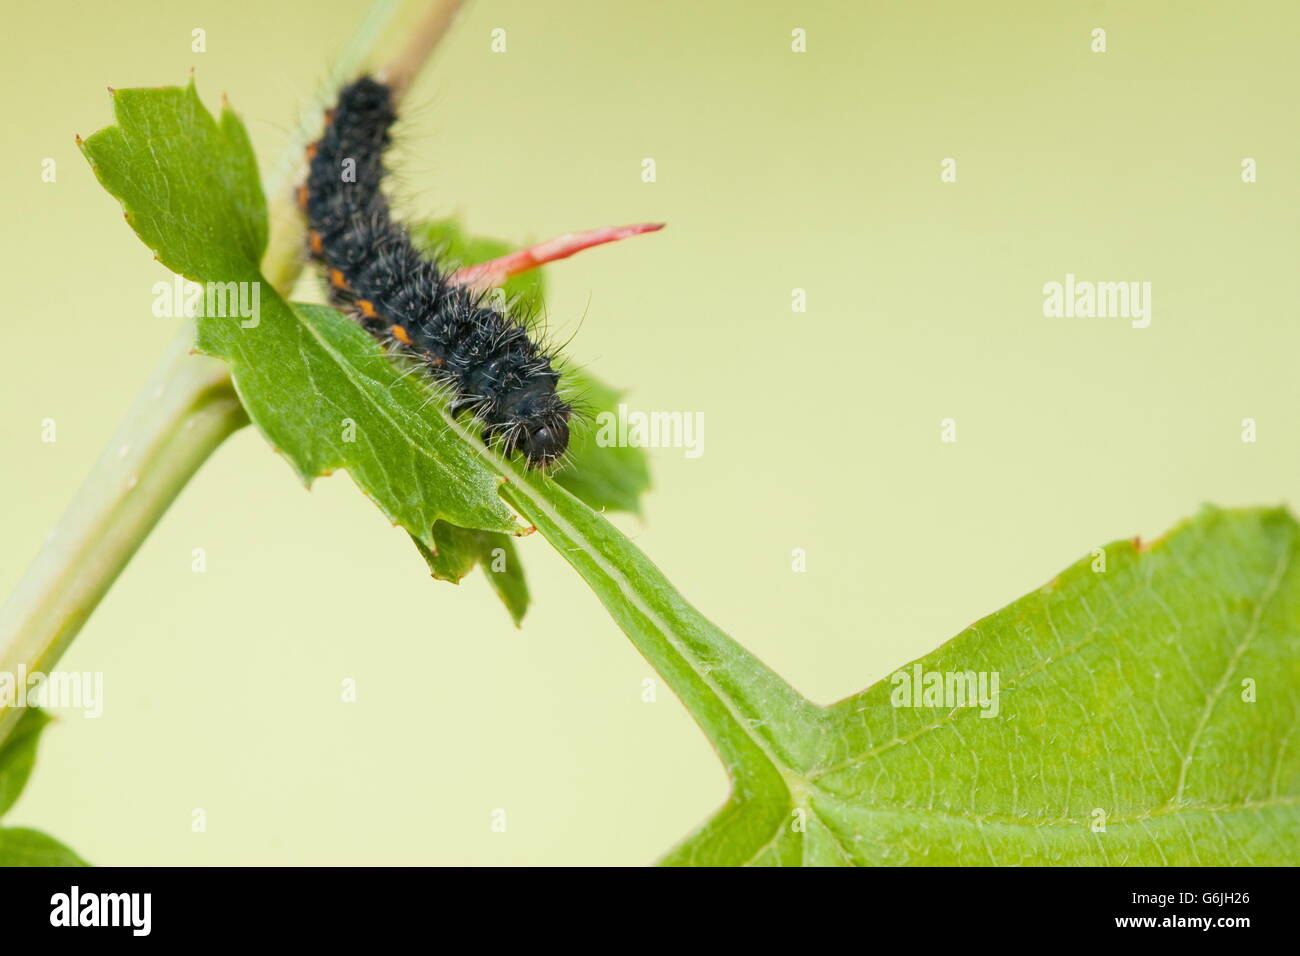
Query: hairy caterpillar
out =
(484, 357)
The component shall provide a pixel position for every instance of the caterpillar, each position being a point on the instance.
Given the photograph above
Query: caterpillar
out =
(484, 357)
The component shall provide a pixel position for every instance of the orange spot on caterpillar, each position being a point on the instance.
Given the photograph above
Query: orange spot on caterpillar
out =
(314, 238)
(329, 118)
(477, 342)
(311, 151)
(302, 196)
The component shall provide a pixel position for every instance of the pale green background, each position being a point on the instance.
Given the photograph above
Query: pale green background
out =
(776, 171)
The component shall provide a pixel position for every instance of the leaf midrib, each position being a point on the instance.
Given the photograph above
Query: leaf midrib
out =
(633, 598)
(1039, 823)
(347, 369)
(1270, 591)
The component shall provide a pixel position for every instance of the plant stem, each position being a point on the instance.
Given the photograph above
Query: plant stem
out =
(187, 409)
(401, 70)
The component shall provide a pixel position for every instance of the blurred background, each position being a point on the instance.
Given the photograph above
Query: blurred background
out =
(776, 171)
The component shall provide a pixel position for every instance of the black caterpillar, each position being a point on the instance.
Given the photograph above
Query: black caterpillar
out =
(484, 357)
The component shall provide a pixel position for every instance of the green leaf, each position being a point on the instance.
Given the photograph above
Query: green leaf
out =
(1159, 696)
(320, 389)
(188, 184)
(19, 846)
(1145, 710)
(22, 847)
(609, 478)
(18, 755)
(312, 380)
(460, 550)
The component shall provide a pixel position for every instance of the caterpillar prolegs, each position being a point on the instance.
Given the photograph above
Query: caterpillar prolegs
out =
(484, 357)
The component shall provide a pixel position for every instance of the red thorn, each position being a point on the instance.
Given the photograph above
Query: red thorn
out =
(492, 273)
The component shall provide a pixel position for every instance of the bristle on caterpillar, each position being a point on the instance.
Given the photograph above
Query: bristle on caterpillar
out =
(482, 356)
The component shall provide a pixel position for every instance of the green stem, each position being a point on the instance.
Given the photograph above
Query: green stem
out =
(736, 699)
(188, 408)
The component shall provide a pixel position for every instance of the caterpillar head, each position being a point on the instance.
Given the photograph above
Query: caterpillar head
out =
(542, 443)
(536, 425)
